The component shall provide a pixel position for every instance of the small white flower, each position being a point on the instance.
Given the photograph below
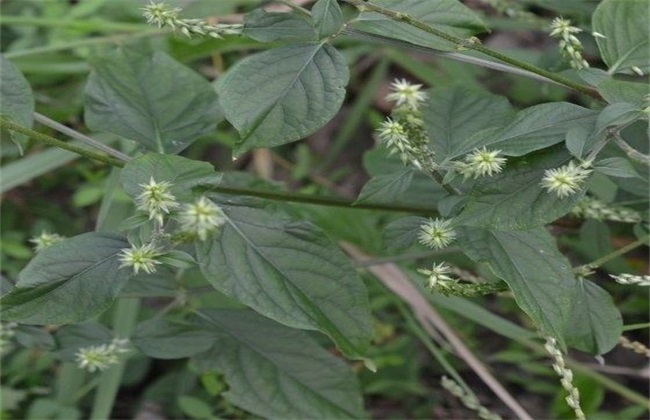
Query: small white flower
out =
(45, 239)
(570, 45)
(101, 357)
(406, 93)
(141, 258)
(563, 28)
(437, 274)
(436, 233)
(156, 199)
(598, 35)
(160, 14)
(565, 180)
(482, 162)
(201, 218)
(631, 279)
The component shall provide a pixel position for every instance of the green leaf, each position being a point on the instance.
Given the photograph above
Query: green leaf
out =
(626, 44)
(289, 271)
(515, 199)
(283, 94)
(16, 97)
(264, 26)
(386, 188)
(623, 91)
(278, 372)
(186, 175)
(452, 114)
(151, 99)
(617, 114)
(73, 337)
(68, 282)
(328, 17)
(544, 285)
(532, 129)
(194, 407)
(576, 141)
(449, 16)
(162, 339)
(617, 167)
(403, 233)
(595, 323)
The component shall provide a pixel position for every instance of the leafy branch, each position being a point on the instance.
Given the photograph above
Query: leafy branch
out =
(472, 43)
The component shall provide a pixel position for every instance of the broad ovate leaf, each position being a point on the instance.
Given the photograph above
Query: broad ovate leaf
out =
(264, 26)
(151, 99)
(288, 270)
(449, 16)
(283, 94)
(625, 45)
(68, 282)
(327, 16)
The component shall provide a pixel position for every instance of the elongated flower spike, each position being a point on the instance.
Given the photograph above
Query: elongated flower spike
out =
(566, 377)
(566, 180)
(631, 279)
(141, 258)
(160, 14)
(469, 400)
(438, 274)
(437, 233)
(570, 45)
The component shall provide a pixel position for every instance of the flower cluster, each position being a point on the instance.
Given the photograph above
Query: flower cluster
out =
(635, 346)
(7, 332)
(101, 357)
(631, 279)
(566, 377)
(160, 14)
(156, 199)
(480, 163)
(570, 45)
(201, 218)
(592, 208)
(45, 240)
(565, 180)
(404, 133)
(437, 233)
(469, 400)
(143, 258)
(438, 275)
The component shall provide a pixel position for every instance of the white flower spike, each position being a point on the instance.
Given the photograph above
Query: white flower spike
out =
(201, 218)
(566, 180)
(438, 274)
(482, 162)
(101, 357)
(406, 93)
(436, 234)
(45, 240)
(156, 199)
(141, 258)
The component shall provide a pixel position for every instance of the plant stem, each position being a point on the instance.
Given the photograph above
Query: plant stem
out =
(623, 250)
(90, 25)
(124, 319)
(630, 151)
(35, 135)
(322, 201)
(469, 44)
(81, 137)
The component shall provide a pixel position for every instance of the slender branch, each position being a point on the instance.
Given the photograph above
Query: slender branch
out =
(469, 44)
(91, 25)
(630, 151)
(81, 137)
(322, 201)
(35, 135)
(615, 254)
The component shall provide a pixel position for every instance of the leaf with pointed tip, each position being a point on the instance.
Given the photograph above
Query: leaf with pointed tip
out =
(264, 26)
(283, 94)
(328, 17)
(16, 98)
(68, 282)
(288, 270)
(386, 188)
(151, 99)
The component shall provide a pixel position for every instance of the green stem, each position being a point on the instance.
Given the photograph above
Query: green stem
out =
(468, 44)
(125, 318)
(68, 380)
(90, 25)
(322, 201)
(615, 254)
(35, 135)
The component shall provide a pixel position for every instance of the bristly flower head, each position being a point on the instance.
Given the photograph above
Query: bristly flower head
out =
(482, 162)
(405, 93)
(565, 180)
(101, 357)
(141, 258)
(201, 218)
(436, 233)
(438, 274)
(45, 239)
(160, 14)
(631, 279)
(156, 199)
